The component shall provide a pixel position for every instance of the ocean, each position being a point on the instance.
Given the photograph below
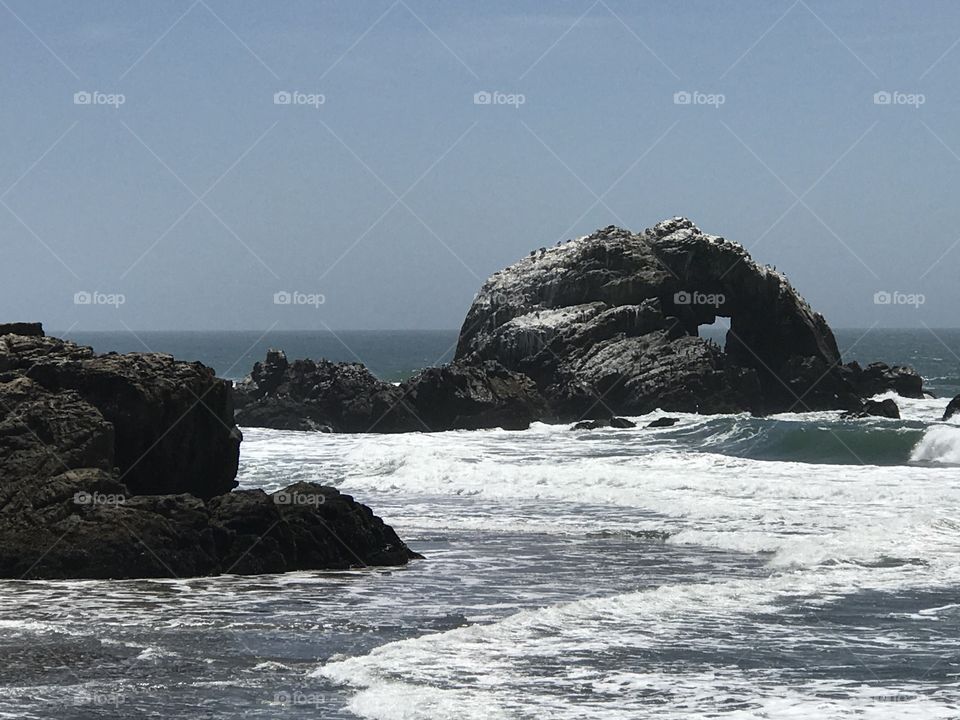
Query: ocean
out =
(795, 566)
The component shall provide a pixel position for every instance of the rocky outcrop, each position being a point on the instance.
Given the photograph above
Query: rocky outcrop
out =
(608, 324)
(952, 408)
(464, 396)
(122, 465)
(320, 395)
(346, 397)
(876, 408)
(878, 378)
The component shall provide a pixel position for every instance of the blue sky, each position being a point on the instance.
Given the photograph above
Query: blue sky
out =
(199, 198)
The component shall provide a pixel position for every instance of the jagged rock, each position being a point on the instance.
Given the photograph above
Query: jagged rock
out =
(612, 319)
(952, 408)
(321, 395)
(118, 466)
(663, 422)
(346, 397)
(172, 421)
(876, 408)
(879, 378)
(461, 396)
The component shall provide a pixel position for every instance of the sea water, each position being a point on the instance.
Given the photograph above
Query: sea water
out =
(797, 566)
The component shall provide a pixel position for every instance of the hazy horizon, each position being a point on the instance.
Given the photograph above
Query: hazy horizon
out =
(181, 166)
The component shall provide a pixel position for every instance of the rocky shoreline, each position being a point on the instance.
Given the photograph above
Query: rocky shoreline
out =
(124, 466)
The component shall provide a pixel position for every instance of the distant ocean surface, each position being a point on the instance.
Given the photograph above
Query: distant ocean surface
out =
(729, 567)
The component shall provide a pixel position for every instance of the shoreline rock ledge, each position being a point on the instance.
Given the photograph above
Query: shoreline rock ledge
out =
(124, 466)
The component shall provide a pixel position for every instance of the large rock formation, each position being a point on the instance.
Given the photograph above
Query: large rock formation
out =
(608, 324)
(346, 397)
(122, 466)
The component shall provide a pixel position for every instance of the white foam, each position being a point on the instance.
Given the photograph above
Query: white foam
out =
(548, 662)
(940, 444)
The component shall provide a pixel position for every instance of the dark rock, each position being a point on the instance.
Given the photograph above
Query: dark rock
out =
(663, 422)
(109, 534)
(875, 408)
(317, 395)
(346, 397)
(612, 319)
(614, 422)
(462, 396)
(882, 408)
(878, 378)
(952, 408)
(173, 420)
(591, 424)
(77, 501)
(22, 328)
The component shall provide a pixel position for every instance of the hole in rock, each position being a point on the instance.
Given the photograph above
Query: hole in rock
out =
(715, 332)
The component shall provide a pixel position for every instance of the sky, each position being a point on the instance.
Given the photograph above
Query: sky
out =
(367, 164)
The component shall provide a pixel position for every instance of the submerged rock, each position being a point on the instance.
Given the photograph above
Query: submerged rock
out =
(613, 317)
(663, 422)
(615, 422)
(121, 466)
